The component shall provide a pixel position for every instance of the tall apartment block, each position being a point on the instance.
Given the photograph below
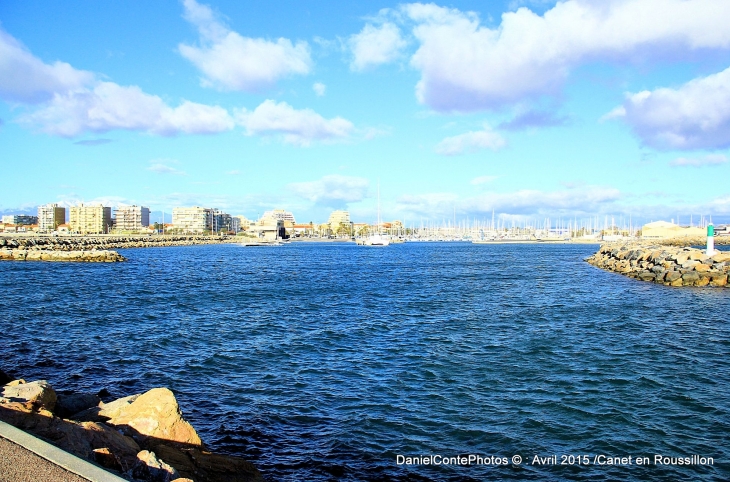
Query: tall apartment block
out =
(131, 218)
(20, 219)
(90, 219)
(192, 220)
(50, 216)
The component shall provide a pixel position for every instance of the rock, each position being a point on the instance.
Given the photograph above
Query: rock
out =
(721, 257)
(690, 278)
(697, 255)
(154, 414)
(183, 480)
(107, 459)
(702, 267)
(105, 411)
(37, 393)
(646, 276)
(718, 279)
(15, 383)
(69, 404)
(223, 468)
(152, 469)
(672, 276)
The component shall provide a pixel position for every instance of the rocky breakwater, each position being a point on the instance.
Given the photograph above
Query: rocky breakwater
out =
(90, 256)
(142, 437)
(668, 265)
(105, 242)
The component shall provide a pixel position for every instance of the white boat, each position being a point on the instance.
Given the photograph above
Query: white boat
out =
(377, 239)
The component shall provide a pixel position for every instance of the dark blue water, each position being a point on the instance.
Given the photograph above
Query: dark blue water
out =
(327, 361)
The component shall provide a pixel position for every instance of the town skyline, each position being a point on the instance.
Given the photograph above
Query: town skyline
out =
(531, 109)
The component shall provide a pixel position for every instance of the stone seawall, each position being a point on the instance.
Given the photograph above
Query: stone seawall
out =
(84, 243)
(668, 265)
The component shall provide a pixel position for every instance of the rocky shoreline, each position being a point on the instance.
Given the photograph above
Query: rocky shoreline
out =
(91, 249)
(668, 265)
(141, 437)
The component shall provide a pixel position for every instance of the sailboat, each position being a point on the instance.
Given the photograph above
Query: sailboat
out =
(377, 239)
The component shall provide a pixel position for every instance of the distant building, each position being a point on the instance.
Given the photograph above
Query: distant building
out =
(243, 222)
(268, 229)
(20, 219)
(95, 219)
(193, 219)
(50, 216)
(664, 230)
(224, 222)
(280, 214)
(131, 218)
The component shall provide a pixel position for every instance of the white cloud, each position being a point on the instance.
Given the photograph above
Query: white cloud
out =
(25, 78)
(470, 142)
(478, 181)
(694, 116)
(319, 88)
(708, 160)
(587, 200)
(299, 127)
(162, 166)
(230, 61)
(466, 66)
(333, 190)
(110, 106)
(375, 45)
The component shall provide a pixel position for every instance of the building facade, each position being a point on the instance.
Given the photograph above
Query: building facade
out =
(131, 218)
(90, 219)
(50, 217)
(279, 214)
(20, 219)
(193, 219)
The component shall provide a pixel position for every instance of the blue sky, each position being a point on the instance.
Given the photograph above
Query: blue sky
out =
(532, 109)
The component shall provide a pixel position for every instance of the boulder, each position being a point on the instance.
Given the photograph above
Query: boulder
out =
(718, 279)
(690, 278)
(646, 276)
(37, 393)
(152, 469)
(152, 415)
(721, 256)
(701, 267)
(69, 404)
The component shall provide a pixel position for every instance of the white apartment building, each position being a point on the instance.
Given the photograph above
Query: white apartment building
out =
(339, 217)
(279, 214)
(131, 218)
(50, 216)
(90, 219)
(193, 219)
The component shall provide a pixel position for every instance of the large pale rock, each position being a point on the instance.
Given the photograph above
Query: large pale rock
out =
(152, 469)
(722, 256)
(37, 393)
(155, 415)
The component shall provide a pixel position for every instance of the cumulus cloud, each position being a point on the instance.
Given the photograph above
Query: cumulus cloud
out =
(708, 160)
(25, 78)
(298, 127)
(694, 116)
(230, 61)
(375, 45)
(333, 191)
(319, 88)
(466, 66)
(470, 142)
(110, 106)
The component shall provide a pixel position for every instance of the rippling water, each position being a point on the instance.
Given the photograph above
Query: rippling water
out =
(326, 361)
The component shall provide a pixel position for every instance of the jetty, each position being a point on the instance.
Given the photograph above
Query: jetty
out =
(667, 265)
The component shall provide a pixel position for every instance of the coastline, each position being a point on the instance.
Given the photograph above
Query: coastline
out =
(139, 437)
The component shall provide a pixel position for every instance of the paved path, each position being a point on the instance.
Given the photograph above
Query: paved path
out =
(18, 464)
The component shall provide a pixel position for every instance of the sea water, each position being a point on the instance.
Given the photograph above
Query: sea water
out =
(415, 362)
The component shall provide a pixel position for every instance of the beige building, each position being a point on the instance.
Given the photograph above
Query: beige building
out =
(131, 218)
(90, 219)
(268, 229)
(665, 230)
(192, 220)
(50, 216)
(243, 222)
